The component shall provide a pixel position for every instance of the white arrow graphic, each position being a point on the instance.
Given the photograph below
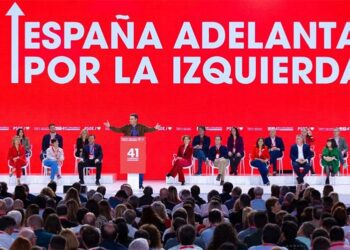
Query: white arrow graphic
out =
(15, 11)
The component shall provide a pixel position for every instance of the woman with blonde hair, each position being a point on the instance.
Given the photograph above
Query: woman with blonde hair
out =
(119, 210)
(160, 209)
(17, 158)
(46, 191)
(105, 209)
(72, 242)
(82, 140)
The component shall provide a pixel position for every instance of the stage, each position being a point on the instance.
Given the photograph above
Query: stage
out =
(206, 183)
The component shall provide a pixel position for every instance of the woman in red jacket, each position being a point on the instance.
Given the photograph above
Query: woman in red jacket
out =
(17, 157)
(182, 159)
(260, 158)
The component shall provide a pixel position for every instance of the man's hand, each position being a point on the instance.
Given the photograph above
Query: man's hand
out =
(230, 153)
(107, 124)
(97, 160)
(157, 127)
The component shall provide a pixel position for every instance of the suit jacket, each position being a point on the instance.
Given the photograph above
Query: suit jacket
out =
(47, 141)
(278, 141)
(187, 154)
(239, 146)
(205, 144)
(97, 152)
(126, 130)
(294, 152)
(14, 153)
(223, 152)
(342, 145)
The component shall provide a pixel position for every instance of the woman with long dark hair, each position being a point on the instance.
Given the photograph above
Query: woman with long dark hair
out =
(260, 158)
(235, 148)
(330, 159)
(224, 233)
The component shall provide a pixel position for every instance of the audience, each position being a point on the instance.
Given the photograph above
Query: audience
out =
(304, 219)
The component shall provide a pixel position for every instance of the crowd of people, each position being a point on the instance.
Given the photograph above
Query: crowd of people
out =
(294, 218)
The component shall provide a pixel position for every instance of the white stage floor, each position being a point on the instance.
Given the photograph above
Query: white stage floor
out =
(206, 183)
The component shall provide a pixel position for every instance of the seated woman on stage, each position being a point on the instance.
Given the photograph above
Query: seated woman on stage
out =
(260, 158)
(182, 159)
(17, 157)
(330, 158)
(24, 140)
(235, 149)
(82, 140)
(54, 158)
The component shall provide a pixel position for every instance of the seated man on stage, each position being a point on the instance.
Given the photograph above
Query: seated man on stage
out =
(200, 145)
(17, 158)
(54, 158)
(342, 147)
(45, 144)
(183, 159)
(276, 148)
(218, 155)
(300, 155)
(92, 157)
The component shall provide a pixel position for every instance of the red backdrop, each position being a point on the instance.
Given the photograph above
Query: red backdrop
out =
(179, 108)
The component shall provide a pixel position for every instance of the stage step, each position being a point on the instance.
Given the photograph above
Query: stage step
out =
(67, 179)
(256, 180)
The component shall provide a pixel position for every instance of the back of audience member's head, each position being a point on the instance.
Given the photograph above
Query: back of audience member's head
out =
(97, 197)
(334, 196)
(143, 234)
(121, 195)
(7, 223)
(321, 243)
(17, 216)
(29, 234)
(236, 191)
(109, 231)
(244, 200)
(289, 217)
(283, 191)
(289, 230)
(177, 223)
(71, 239)
(327, 189)
(251, 193)
(102, 190)
(336, 234)
(258, 192)
(319, 232)
(21, 243)
(341, 216)
(275, 191)
(306, 229)
(90, 236)
(279, 217)
(48, 211)
(270, 203)
(195, 191)
(148, 191)
(215, 216)
(77, 186)
(227, 187)
(271, 234)
(328, 223)
(260, 220)
(89, 219)
(154, 234)
(315, 195)
(139, 244)
(81, 214)
(227, 246)
(211, 194)
(327, 203)
(52, 224)
(57, 242)
(129, 215)
(52, 185)
(184, 194)
(316, 213)
(180, 212)
(186, 235)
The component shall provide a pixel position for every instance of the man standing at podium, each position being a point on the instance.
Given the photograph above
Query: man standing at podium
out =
(133, 129)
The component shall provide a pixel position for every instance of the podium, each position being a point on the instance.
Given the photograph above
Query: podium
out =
(133, 158)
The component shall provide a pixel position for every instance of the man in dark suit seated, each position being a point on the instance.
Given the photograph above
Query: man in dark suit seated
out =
(300, 155)
(92, 157)
(276, 148)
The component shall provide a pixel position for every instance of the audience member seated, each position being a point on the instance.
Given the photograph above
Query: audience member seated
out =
(258, 203)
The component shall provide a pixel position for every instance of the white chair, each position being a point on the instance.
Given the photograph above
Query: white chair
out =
(347, 169)
(28, 158)
(280, 164)
(76, 159)
(212, 167)
(24, 168)
(252, 168)
(242, 165)
(46, 169)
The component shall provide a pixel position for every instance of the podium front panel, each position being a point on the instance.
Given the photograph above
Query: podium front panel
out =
(132, 154)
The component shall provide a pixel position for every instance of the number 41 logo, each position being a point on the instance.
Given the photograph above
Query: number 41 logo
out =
(133, 153)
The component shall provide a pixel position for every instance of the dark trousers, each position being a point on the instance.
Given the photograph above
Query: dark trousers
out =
(273, 158)
(89, 163)
(262, 166)
(199, 154)
(301, 174)
(234, 161)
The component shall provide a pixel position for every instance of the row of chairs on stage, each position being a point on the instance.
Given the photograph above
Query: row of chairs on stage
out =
(210, 168)
(46, 169)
